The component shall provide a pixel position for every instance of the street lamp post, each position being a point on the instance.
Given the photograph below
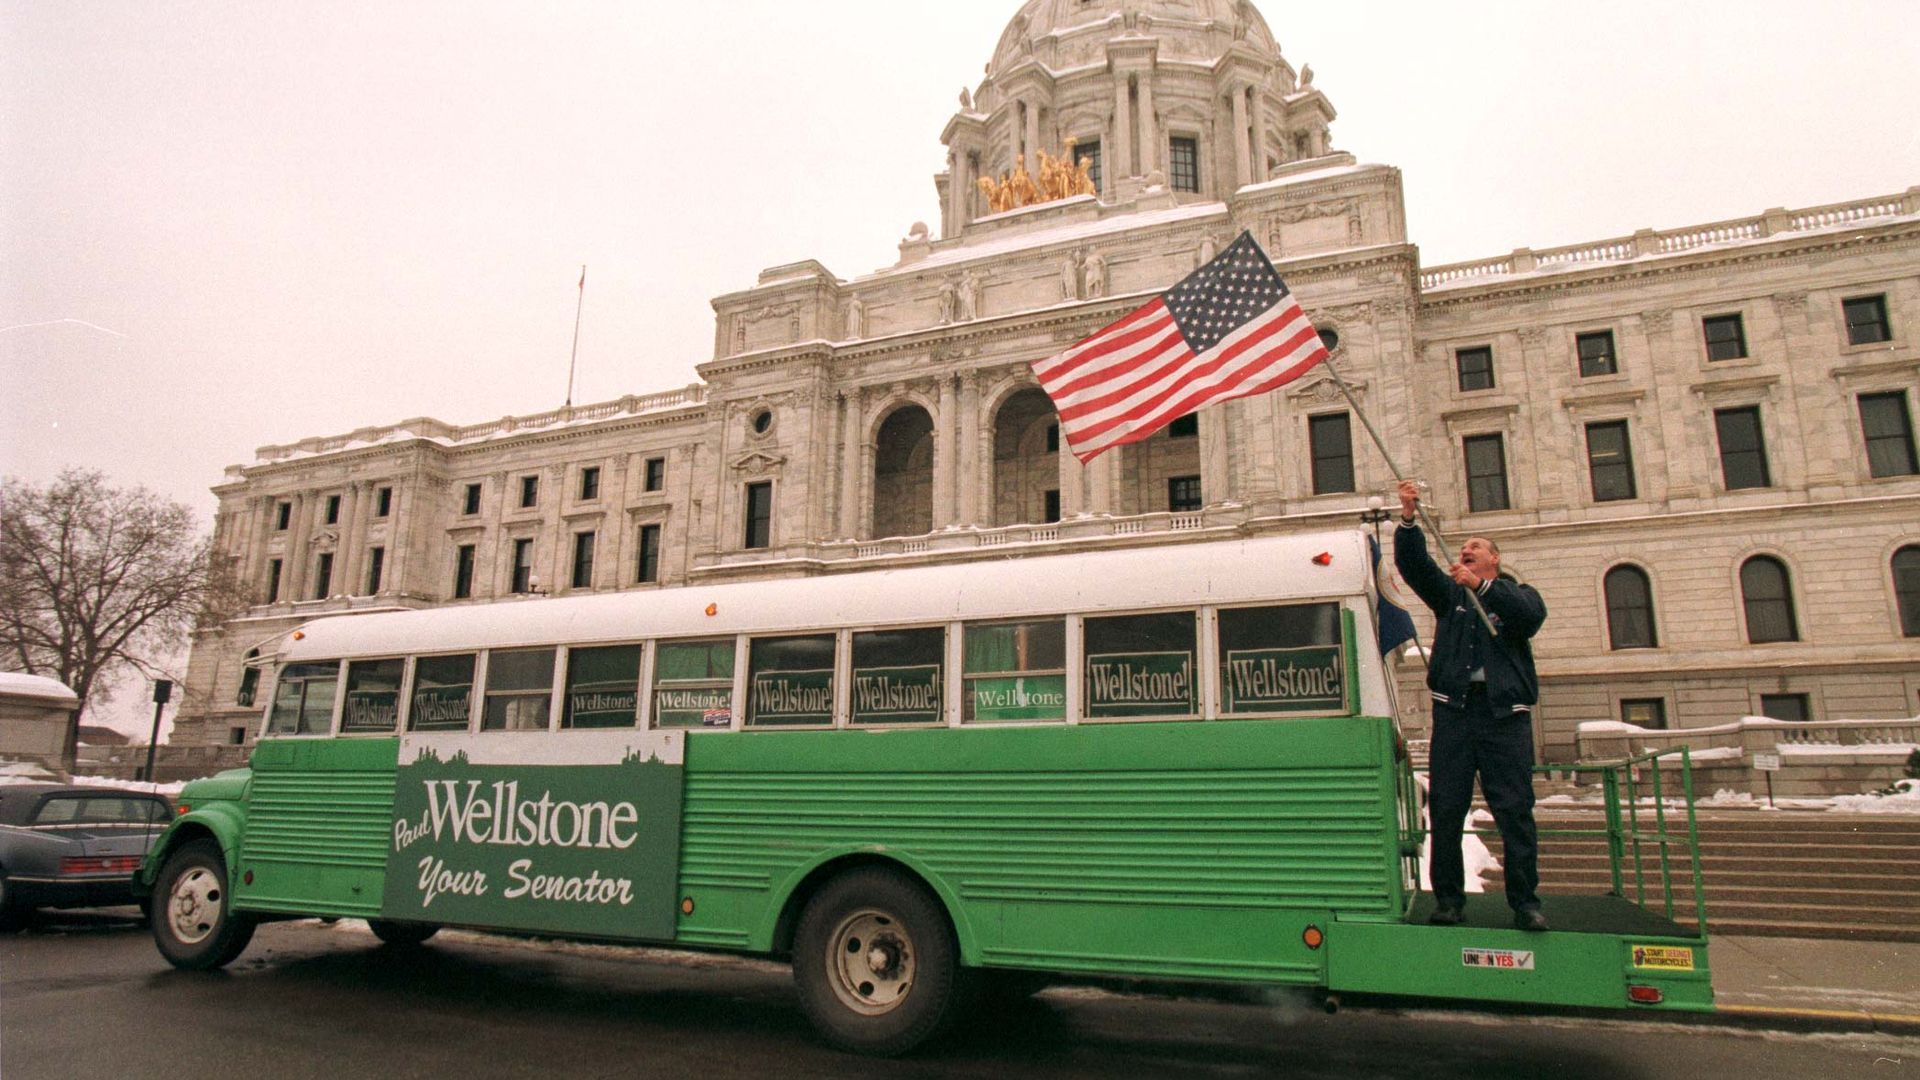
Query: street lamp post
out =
(162, 691)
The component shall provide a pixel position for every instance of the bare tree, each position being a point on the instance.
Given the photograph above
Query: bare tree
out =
(97, 580)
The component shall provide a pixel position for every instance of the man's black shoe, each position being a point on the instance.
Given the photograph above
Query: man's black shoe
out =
(1532, 919)
(1445, 916)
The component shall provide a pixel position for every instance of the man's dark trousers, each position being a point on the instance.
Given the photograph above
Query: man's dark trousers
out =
(1469, 740)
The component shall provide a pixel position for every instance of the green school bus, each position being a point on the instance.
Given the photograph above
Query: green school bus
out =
(920, 786)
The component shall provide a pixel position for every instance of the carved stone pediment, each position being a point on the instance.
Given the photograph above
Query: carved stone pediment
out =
(1323, 391)
(758, 463)
(325, 538)
(1293, 215)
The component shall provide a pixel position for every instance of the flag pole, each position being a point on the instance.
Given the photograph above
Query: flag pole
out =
(1419, 508)
(574, 360)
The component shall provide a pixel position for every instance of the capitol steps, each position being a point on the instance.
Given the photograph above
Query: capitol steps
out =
(1783, 874)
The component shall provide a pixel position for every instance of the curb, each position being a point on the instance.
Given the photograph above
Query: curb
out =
(1844, 1020)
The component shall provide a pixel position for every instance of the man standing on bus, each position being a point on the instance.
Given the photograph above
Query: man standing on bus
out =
(1484, 690)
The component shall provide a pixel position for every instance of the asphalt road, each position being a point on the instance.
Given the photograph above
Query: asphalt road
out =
(86, 996)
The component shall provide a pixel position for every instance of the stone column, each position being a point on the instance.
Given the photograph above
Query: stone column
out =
(969, 465)
(294, 575)
(1033, 139)
(1242, 169)
(1149, 128)
(1216, 481)
(850, 455)
(346, 559)
(1102, 476)
(945, 454)
(257, 543)
(1122, 153)
(1258, 138)
(1073, 483)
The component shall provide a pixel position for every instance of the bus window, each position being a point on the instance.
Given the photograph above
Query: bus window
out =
(897, 676)
(1288, 659)
(1141, 665)
(603, 688)
(303, 702)
(693, 684)
(442, 693)
(790, 682)
(1015, 672)
(519, 691)
(373, 697)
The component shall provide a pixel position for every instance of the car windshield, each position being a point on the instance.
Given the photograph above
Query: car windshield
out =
(99, 810)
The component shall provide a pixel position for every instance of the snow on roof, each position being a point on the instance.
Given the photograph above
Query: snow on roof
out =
(1307, 177)
(1135, 579)
(14, 684)
(1060, 234)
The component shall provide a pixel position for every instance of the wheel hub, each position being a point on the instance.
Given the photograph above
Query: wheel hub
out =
(871, 962)
(193, 908)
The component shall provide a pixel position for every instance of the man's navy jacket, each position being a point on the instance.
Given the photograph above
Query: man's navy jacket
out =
(1461, 643)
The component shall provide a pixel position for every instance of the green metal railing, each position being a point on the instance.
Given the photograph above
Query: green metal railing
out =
(1640, 841)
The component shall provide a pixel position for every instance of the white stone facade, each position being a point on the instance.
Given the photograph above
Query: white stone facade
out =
(893, 417)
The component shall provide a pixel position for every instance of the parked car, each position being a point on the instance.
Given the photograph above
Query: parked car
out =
(64, 846)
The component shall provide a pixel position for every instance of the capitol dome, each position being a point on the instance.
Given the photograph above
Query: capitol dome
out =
(1166, 100)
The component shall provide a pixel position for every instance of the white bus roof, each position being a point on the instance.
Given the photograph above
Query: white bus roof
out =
(1213, 573)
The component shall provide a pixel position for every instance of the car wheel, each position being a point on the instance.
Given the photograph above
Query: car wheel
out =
(194, 923)
(875, 963)
(401, 934)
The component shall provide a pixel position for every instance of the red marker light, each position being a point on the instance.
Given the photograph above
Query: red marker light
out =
(1645, 995)
(1325, 558)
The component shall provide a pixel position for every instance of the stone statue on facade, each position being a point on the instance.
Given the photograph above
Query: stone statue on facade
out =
(1095, 268)
(1070, 278)
(856, 319)
(967, 298)
(1209, 249)
(949, 302)
(966, 100)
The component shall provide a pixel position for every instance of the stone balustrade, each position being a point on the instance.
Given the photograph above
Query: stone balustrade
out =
(1817, 759)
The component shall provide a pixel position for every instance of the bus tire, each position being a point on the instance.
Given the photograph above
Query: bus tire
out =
(403, 935)
(876, 964)
(194, 923)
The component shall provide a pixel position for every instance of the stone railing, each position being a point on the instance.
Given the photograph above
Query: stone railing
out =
(1676, 241)
(450, 435)
(1608, 740)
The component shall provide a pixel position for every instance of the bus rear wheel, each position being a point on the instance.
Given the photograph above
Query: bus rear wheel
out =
(194, 923)
(875, 963)
(401, 934)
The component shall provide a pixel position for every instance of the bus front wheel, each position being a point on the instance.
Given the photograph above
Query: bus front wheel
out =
(194, 923)
(876, 963)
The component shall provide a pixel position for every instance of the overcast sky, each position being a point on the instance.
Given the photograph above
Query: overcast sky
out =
(228, 224)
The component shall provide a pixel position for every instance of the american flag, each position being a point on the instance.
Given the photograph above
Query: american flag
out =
(1229, 330)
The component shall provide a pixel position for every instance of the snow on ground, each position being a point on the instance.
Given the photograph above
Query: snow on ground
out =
(1905, 800)
(1473, 850)
(26, 772)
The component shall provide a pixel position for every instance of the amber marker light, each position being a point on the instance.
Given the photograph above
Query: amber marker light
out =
(712, 610)
(1313, 937)
(181, 808)
(299, 635)
(1645, 995)
(686, 906)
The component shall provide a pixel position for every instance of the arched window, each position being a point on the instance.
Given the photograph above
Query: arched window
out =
(1768, 597)
(1630, 609)
(1906, 588)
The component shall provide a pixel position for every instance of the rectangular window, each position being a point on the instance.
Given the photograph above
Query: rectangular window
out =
(1141, 666)
(1726, 336)
(1743, 449)
(899, 676)
(383, 502)
(1610, 461)
(522, 567)
(1647, 713)
(519, 691)
(1183, 158)
(656, 474)
(323, 576)
(1089, 149)
(376, 567)
(1793, 708)
(1867, 320)
(583, 560)
(282, 516)
(1475, 366)
(790, 682)
(303, 699)
(649, 571)
(333, 509)
(1014, 672)
(1183, 494)
(373, 697)
(1486, 473)
(273, 581)
(1050, 506)
(237, 736)
(1053, 438)
(471, 505)
(442, 693)
(1596, 354)
(529, 491)
(603, 688)
(589, 483)
(1184, 427)
(693, 684)
(1331, 440)
(463, 572)
(1290, 659)
(759, 530)
(1888, 427)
